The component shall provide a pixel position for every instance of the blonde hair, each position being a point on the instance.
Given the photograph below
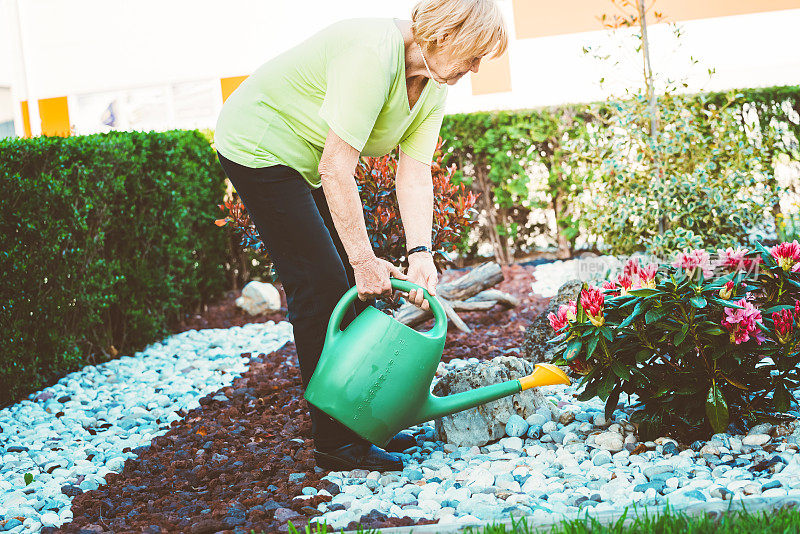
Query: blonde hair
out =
(473, 28)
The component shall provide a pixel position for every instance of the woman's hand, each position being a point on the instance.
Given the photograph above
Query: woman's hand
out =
(422, 272)
(372, 277)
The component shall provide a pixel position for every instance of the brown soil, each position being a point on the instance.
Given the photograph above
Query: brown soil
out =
(225, 466)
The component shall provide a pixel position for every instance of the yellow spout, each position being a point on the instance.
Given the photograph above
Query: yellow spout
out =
(544, 374)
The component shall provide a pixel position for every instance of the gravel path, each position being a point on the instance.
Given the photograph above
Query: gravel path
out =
(69, 436)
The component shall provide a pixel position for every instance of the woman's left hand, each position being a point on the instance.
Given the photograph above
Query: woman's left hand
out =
(422, 272)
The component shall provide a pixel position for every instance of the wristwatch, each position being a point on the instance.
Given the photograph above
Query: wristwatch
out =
(421, 248)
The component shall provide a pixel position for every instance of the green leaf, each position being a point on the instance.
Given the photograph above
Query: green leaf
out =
(716, 409)
(727, 303)
(782, 398)
(621, 370)
(611, 402)
(606, 331)
(773, 309)
(606, 386)
(698, 302)
(591, 346)
(714, 331)
(573, 349)
(654, 315)
(643, 292)
(680, 336)
(28, 478)
(642, 355)
(637, 310)
(589, 392)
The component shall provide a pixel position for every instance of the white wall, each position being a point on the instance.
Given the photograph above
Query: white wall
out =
(83, 48)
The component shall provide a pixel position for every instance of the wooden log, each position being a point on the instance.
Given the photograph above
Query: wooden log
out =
(457, 292)
(453, 316)
(496, 295)
(481, 277)
(466, 305)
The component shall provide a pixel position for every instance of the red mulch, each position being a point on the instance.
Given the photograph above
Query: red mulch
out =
(225, 466)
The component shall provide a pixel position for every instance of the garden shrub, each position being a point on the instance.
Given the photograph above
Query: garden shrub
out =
(702, 343)
(591, 174)
(521, 162)
(700, 181)
(105, 244)
(453, 210)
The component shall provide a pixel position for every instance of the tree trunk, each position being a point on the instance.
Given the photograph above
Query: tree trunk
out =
(564, 249)
(487, 198)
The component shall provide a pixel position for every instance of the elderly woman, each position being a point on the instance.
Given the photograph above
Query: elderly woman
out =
(289, 138)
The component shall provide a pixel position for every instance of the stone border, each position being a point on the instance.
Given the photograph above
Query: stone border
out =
(750, 504)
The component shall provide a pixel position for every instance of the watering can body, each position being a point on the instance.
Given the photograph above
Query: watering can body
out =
(375, 376)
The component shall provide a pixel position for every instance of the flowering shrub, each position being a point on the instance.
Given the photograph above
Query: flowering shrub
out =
(702, 343)
(453, 210)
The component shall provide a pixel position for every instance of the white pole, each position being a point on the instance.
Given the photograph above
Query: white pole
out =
(23, 70)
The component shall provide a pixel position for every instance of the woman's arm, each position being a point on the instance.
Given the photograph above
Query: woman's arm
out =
(415, 196)
(336, 168)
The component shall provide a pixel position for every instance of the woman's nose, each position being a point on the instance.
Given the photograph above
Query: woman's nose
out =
(475, 66)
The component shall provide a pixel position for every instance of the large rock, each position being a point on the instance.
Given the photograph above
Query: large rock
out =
(258, 297)
(485, 423)
(535, 347)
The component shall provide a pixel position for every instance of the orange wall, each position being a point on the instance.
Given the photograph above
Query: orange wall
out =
(26, 118)
(535, 18)
(55, 116)
(494, 76)
(229, 85)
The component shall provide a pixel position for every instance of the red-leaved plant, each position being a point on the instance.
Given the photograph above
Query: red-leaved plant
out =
(453, 210)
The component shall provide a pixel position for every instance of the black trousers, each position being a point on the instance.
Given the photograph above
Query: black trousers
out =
(294, 222)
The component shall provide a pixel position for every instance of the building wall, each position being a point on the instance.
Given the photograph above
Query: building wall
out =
(157, 64)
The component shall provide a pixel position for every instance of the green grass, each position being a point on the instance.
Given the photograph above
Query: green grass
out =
(779, 520)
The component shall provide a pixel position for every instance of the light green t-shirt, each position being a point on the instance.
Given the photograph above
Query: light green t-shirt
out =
(349, 77)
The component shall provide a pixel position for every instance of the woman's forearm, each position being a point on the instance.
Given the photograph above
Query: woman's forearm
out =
(415, 198)
(344, 203)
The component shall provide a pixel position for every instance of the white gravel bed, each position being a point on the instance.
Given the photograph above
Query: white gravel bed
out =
(551, 276)
(551, 471)
(73, 433)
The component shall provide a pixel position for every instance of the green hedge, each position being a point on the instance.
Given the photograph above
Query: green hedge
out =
(528, 163)
(105, 241)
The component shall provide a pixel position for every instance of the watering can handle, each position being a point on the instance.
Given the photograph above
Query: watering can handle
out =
(438, 331)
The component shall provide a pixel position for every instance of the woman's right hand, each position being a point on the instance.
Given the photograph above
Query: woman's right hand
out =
(372, 277)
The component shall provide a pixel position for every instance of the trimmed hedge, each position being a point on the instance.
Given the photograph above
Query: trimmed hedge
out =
(105, 241)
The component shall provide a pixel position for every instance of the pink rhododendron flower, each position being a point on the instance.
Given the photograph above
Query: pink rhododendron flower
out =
(625, 283)
(693, 260)
(787, 255)
(592, 300)
(727, 290)
(741, 323)
(610, 288)
(647, 276)
(797, 311)
(784, 324)
(733, 259)
(631, 268)
(566, 314)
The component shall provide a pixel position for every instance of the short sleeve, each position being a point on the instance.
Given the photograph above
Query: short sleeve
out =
(421, 143)
(356, 92)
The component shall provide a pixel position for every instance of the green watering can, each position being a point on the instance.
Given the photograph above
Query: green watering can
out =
(375, 376)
